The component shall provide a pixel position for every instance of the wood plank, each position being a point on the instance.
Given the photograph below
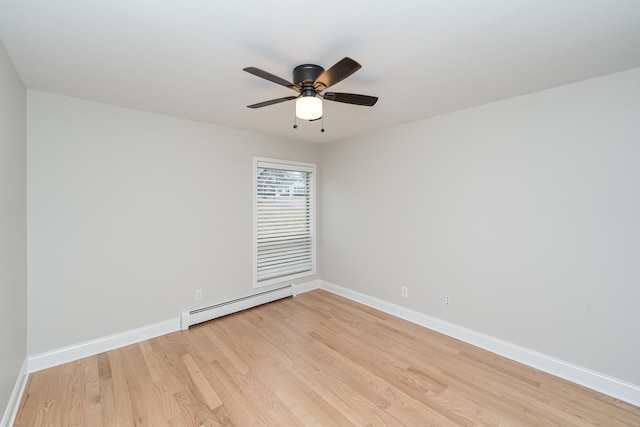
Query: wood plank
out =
(93, 408)
(202, 385)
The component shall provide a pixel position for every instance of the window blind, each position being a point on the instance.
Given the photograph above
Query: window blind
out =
(284, 231)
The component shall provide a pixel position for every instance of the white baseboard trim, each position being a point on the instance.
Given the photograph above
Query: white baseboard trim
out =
(588, 378)
(11, 411)
(89, 348)
(307, 286)
(59, 356)
(585, 377)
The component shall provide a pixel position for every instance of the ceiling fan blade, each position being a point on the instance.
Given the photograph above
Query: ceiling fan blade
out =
(340, 71)
(271, 102)
(272, 78)
(351, 98)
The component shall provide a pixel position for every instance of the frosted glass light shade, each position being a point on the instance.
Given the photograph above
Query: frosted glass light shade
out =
(308, 108)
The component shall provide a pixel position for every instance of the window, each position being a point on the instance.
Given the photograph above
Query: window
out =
(284, 220)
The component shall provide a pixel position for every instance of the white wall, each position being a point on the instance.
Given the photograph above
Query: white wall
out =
(131, 212)
(526, 212)
(13, 230)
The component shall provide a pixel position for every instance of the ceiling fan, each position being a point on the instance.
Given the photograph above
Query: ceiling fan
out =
(310, 82)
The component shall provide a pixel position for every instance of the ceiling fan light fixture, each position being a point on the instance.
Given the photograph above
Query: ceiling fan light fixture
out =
(309, 107)
(310, 82)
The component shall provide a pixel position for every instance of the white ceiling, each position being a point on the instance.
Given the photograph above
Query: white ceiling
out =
(422, 58)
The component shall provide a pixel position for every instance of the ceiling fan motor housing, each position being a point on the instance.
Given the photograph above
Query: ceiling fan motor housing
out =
(306, 74)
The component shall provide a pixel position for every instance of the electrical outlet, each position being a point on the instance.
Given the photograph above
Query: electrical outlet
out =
(447, 301)
(405, 292)
(198, 294)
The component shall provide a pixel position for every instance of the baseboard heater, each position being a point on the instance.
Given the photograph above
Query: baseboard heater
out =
(193, 317)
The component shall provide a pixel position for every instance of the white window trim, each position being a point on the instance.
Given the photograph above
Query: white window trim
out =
(289, 165)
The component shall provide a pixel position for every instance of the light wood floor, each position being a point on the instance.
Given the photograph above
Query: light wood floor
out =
(316, 359)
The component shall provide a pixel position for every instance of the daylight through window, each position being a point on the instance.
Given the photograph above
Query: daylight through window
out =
(284, 220)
